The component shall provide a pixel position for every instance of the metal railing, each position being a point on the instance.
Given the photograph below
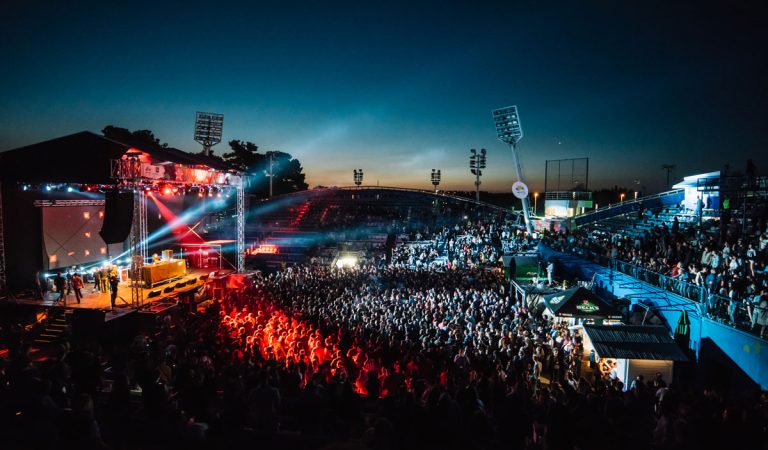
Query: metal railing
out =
(741, 314)
(628, 206)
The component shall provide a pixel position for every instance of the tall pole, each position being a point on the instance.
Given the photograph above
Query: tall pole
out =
(477, 186)
(524, 200)
(271, 173)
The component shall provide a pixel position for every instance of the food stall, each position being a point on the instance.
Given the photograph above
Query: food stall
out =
(636, 350)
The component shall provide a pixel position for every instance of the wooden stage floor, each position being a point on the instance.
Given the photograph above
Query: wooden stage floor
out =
(94, 299)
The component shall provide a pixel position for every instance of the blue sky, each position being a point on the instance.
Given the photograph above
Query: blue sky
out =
(400, 88)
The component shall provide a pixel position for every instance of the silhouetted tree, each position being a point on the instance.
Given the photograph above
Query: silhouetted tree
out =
(143, 139)
(244, 155)
(287, 171)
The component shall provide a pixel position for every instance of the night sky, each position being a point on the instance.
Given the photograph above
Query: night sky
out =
(400, 88)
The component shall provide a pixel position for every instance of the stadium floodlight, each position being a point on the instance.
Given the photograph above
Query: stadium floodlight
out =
(509, 131)
(208, 130)
(476, 164)
(358, 176)
(435, 178)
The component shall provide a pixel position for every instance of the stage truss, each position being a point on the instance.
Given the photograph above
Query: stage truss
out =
(131, 174)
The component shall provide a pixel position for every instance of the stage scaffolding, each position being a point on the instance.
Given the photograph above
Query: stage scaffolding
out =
(130, 176)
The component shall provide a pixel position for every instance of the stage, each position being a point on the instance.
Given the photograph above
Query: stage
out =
(155, 298)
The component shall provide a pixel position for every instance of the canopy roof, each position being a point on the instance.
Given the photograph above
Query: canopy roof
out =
(580, 303)
(634, 342)
(84, 158)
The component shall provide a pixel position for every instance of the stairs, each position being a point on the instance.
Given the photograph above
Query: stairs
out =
(55, 329)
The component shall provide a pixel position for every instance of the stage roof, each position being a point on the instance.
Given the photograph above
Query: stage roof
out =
(634, 342)
(580, 303)
(83, 158)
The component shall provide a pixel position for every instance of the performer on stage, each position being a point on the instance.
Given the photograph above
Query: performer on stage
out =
(113, 282)
(77, 285)
(61, 287)
(96, 280)
(104, 280)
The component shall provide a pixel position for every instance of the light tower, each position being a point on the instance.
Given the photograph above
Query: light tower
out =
(476, 164)
(208, 128)
(358, 176)
(435, 178)
(510, 132)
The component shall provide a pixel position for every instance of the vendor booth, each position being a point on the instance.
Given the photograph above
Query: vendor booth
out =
(635, 350)
(580, 305)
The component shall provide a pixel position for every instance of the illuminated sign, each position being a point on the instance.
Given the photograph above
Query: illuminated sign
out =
(587, 307)
(268, 249)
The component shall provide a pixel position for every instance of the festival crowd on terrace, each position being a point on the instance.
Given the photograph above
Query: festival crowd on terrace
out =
(730, 267)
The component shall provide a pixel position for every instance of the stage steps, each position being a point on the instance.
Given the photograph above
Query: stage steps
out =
(55, 329)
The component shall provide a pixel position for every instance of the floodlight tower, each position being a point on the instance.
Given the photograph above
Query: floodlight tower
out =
(509, 131)
(208, 128)
(358, 176)
(435, 178)
(476, 164)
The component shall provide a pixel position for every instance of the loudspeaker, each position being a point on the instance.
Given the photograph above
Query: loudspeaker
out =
(118, 217)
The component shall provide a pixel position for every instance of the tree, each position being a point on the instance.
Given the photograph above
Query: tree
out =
(143, 139)
(287, 172)
(244, 156)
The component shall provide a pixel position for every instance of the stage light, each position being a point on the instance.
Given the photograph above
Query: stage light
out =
(175, 190)
(48, 188)
(167, 190)
(200, 193)
(24, 188)
(218, 194)
(210, 193)
(69, 189)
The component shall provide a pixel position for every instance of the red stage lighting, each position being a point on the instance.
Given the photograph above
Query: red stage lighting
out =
(167, 190)
(200, 193)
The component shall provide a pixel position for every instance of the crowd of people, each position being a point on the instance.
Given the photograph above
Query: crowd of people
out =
(405, 354)
(726, 271)
(465, 244)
